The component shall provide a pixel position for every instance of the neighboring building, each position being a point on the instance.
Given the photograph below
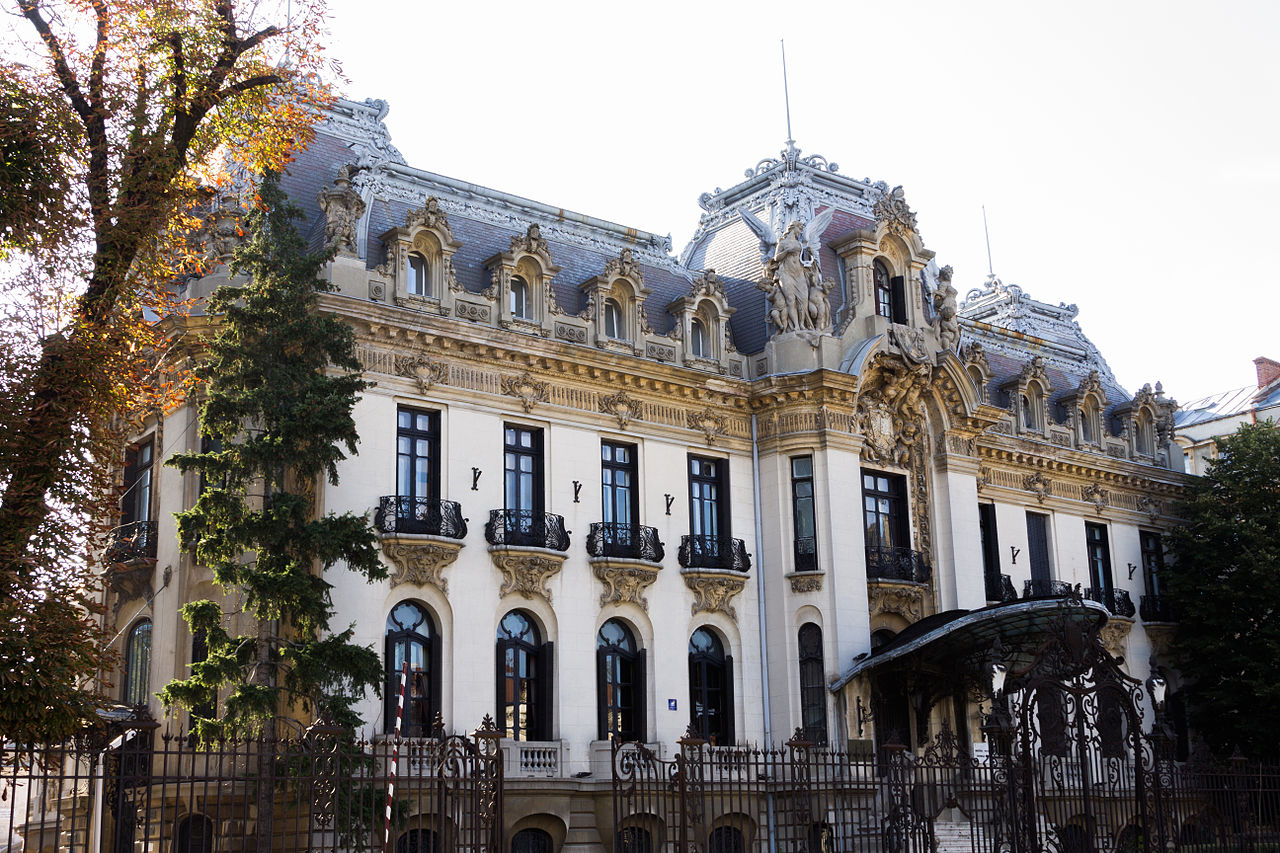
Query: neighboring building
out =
(621, 491)
(1198, 423)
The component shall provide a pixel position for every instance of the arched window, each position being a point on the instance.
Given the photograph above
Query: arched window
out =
(613, 325)
(710, 688)
(620, 683)
(419, 282)
(531, 841)
(1146, 435)
(699, 340)
(137, 664)
(412, 638)
(524, 679)
(883, 289)
(726, 839)
(813, 691)
(521, 302)
(1087, 432)
(634, 839)
(1031, 408)
(418, 841)
(194, 835)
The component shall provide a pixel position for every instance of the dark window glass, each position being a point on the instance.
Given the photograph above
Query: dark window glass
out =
(726, 839)
(710, 688)
(417, 841)
(418, 454)
(620, 682)
(520, 306)
(137, 665)
(1038, 545)
(990, 547)
(522, 485)
(411, 639)
(1152, 560)
(634, 839)
(135, 504)
(199, 654)
(1086, 425)
(806, 541)
(884, 290)
(699, 342)
(884, 509)
(194, 835)
(531, 841)
(618, 483)
(524, 679)
(813, 691)
(706, 514)
(419, 282)
(613, 327)
(1099, 553)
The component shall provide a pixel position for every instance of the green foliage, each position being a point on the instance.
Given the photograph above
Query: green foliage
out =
(281, 379)
(1225, 588)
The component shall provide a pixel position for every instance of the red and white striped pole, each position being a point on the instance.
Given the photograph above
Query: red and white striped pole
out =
(395, 755)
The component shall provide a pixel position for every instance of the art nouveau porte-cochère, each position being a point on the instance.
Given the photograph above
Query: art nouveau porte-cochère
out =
(786, 488)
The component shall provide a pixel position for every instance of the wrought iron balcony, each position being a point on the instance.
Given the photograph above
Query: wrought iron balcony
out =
(1047, 589)
(404, 514)
(1156, 608)
(806, 548)
(524, 527)
(129, 542)
(896, 564)
(1116, 601)
(630, 541)
(1000, 588)
(713, 552)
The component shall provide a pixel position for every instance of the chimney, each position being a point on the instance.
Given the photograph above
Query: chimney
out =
(1268, 371)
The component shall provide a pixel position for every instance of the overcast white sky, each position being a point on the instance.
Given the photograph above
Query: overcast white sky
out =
(1126, 151)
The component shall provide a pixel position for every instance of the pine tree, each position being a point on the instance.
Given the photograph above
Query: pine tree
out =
(280, 379)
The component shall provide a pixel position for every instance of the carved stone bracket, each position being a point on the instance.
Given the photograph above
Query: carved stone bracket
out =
(1151, 506)
(1039, 484)
(131, 580)
(625, 580)
(422, 369)
(1096, 495)
(805, 581)
(420, 560)
(903, 598)
(529, 391)
(526, 570)
(707, 421)
(713, 590)
(622, 406)
(1161, 637)
(1114, 634)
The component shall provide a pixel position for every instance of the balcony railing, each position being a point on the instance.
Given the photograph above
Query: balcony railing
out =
(1156, 608)
(528, 528)
(1116, 601)
(806, 554)
(1000, 588)
(896, 564)
(713, 552)
(133, 541)
(630, 541)
(1037, 588)
(404, 514)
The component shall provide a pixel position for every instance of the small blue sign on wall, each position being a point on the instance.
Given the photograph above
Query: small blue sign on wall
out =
(671, 704)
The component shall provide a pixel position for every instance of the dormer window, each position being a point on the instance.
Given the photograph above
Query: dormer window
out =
(521, 305)
(1087, 432)
(699, 341)
(1028, 413)
(890, 294)
(419, 280)
(1146, 435)
(613, 324)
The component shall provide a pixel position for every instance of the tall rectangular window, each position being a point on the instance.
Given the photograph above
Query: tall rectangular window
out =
(990, 551)
(135, 504)
(418, 454)
(708, 524)
(884, 509)
(1038, 549)
(802, 513)
(618, 484)
(1099, 555)
(522, 470)
(1152, 561)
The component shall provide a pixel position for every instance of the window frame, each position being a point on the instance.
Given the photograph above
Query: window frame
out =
(136, 676)
(413, 433)
(139, 471)
(418, 279)
(890, 505)
(513, 451)
(615, 316)
(621, 688)
(1098, 558)
(709, 508)
(537, 657)
(711, 707)
(525, 300)
(699, 339)
(611, 489)
(813, 693)
(419, 711)
(803, 513)
(1151, 548)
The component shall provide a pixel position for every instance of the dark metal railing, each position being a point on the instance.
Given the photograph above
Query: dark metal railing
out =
(1156, 608)
(526, 527)
(806, 548)
(713, 552)
(1037, 588)
(404, 514)
(896, 564)
(133, 541)
(1000, 588)
(1116, 601)
(630, 541)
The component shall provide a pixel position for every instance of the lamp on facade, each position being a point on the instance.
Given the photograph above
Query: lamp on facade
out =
(1157, 686)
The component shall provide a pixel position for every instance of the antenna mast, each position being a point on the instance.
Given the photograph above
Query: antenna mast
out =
(987, 232)
(786, 95)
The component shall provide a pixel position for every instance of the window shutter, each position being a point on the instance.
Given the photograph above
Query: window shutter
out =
(898, 299)
(728, 701)
(640, 692)
(546, 690)
(602, 694)
(500, 688)
(1038, 545)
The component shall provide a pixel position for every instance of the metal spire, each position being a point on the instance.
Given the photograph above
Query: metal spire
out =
(786, 95)
(990, 268)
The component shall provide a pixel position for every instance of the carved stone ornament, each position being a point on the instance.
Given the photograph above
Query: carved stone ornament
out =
(707, 421)
(904, 599)
(529, 391)
(624, 265)
(878, 430)
(893, 211)
(975, 354)
(342, 208)
(430, 215)
(1150, 506)
(1034, 369)
(1115, 634)
(797, 291)
(1038, 484)
(624, 581)
(1096, 495)
(910, 342)
(707, 283)
(526, 573)
(621, 406)
(984, 478)
(130, 581)
(422, 369)
(532, 243)
(805, 581)
(421, 563)
(713, 590)
(945, 311)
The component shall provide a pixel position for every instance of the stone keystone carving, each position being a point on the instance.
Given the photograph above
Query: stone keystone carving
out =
(707, 421)
(906, 600)
(1039, 484)
(624, 583)
(342, 208)
(529, 391)
(624, 265)
(621, 406)
(525, 573)
(421, 368)
(1097, 495)
(713, 591)
(893, 211)
(533, 243)
(430, 215)
(421, 563)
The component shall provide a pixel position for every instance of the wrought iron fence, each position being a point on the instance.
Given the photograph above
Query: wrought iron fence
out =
(1040, 588)
(405, 514)
(713, 552)
(143, 791)
(1000, 588)
(632, 541)
(133, 541)
(526, 527)
(899, 564)
(1156, 608)
(1116, 601)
